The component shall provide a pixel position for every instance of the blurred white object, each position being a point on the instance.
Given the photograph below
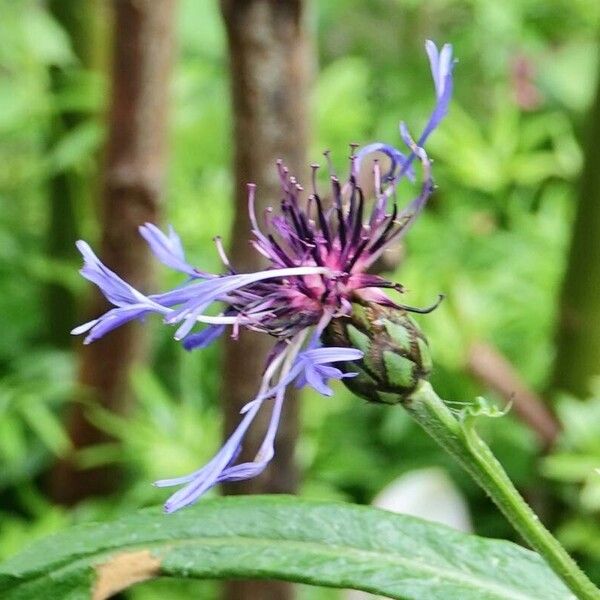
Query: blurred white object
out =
(425, 493)
(429, 494)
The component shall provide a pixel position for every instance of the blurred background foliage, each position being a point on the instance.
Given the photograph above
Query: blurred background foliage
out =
(494, 240)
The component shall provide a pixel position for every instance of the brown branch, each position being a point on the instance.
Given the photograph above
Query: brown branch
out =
(492, 368)
(131, 189)
(269, 75)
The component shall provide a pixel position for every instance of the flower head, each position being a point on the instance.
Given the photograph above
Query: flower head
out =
(318, 254)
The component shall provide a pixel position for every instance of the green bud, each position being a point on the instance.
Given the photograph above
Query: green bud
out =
(396, 353)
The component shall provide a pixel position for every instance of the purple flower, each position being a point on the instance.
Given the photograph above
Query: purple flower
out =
(318, 256)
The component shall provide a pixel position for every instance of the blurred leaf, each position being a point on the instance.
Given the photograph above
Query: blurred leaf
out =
(569, 72)
(46, 425)
(49, 42)
(342, 105)
(570, 467)
(40, 382)
(328, 544)
(156, 400)
(17, 532)
(160, 437)
(576, 457)
(76, 146)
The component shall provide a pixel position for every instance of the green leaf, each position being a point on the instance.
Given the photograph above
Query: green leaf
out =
(46, 425)
(278, 537)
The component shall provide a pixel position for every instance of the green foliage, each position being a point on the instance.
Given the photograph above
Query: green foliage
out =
(575, 464)
(30, 431)
(165, 439)
(319, 543)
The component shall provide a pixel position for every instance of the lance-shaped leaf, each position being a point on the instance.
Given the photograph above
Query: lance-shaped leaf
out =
(319, 543)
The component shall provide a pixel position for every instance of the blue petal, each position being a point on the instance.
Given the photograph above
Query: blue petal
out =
(330, 354)
(202, 480)
(196, 298)
(317, 380)
(117, 291)
(311, 368)
(111, 320)
(441, 64)
(130, 304)
(397, 158)
(203, 338)
(221, 467)
(168, 249)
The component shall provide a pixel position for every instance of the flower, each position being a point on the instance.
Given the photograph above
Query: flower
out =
(318, 256)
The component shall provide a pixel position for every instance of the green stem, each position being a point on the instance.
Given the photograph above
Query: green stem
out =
(463, 443)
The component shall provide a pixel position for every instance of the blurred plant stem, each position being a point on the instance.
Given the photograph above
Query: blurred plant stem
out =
(131, 189)
(269, 70)
(578, 336)
(67, 187)
(459, 438)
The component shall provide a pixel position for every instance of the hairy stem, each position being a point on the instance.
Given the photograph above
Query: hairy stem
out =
(463, 443)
